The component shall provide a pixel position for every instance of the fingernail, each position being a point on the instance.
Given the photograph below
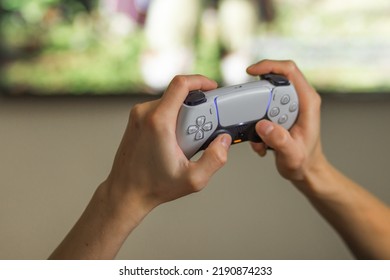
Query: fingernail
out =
(226, 141)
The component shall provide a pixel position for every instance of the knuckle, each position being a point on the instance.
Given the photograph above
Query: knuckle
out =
(220, 158)
(266, 61)
(136, 115)
(153, 120)
(318, 101)
(196, 183)
(291, 164)
(280, 140)
(297, 162)
(145, 116)
(179, 80)
(291, 66)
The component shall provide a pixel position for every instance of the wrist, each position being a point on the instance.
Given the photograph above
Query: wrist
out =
(125, 208)
(103, 227)
(315, 181)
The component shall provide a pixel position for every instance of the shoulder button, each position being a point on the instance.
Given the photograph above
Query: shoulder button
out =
(195, 97)
(276, 80)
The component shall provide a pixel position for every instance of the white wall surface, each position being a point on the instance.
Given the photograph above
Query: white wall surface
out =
(54, 152)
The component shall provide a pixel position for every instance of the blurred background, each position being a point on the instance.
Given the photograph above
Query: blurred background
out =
(52, 47)
(54, 152)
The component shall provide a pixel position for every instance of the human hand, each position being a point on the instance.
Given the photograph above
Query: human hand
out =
(360, 218)
(149, 167)
(297, 151)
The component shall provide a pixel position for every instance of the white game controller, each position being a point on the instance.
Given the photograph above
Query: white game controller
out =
(235, 110)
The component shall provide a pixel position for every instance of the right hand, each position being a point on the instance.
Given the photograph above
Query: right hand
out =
(298, 152)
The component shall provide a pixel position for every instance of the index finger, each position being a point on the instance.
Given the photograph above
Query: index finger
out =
(309, 99)
(179, 88)
(286, 68)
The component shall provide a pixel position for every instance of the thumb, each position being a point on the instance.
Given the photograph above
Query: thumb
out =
(212, 159)
(275, 136)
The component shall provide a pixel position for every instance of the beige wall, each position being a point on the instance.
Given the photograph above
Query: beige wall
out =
(54, 152)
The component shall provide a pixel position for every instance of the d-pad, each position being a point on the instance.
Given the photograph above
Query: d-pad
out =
(200, 128)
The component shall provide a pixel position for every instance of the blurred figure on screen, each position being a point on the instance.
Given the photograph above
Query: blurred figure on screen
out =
(172, 28)
(125, 15)
(237, 27)
(180, 33)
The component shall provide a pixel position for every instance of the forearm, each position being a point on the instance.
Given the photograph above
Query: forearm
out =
(103, 227)
(361, 219)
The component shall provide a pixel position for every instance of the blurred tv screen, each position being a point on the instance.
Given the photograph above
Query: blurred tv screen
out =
(125, 47)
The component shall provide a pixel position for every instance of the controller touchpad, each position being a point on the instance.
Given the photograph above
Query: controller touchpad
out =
(243, 107)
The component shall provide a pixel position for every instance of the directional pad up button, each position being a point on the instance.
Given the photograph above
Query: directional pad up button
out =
(200, 121)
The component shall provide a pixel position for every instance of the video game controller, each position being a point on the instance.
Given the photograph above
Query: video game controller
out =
(235, 110)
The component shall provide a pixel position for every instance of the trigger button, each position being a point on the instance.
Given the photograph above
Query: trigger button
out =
(276, 80)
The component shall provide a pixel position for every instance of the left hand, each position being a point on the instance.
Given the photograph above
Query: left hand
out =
(149, 167)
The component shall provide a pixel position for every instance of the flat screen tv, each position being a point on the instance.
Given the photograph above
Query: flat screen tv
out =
(127, 47)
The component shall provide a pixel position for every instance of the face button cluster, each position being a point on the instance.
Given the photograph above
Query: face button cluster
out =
(283, 102)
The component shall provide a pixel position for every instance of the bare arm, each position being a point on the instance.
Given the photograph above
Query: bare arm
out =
(362, 220)
(149, 169)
